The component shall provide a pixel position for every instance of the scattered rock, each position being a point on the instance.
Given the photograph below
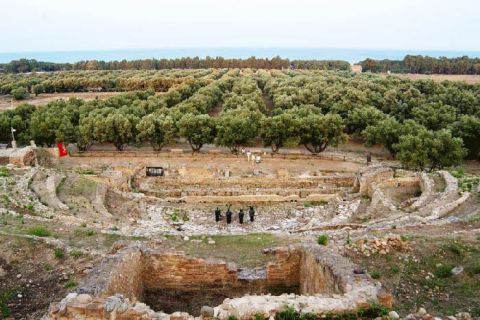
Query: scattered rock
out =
(421, 311)
(207, 312)
(457, 270)
(463, 316)
(84, 298)
(393, 315)
(186, 238)
(211, 241)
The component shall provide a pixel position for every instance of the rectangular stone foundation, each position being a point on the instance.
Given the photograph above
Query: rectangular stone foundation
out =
(169, 282)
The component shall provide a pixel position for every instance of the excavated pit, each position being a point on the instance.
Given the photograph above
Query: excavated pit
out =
(171, 282)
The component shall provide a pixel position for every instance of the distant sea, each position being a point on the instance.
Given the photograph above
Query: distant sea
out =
(350, 55)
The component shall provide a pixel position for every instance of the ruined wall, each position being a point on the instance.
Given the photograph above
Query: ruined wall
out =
(315, 268)
(127, 276)
(315, 277)
(176, 271)
(283, 271)
(369, 176)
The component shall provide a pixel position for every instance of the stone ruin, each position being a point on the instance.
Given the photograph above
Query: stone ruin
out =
(144, 281)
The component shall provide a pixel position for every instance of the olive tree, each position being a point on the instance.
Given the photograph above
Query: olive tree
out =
(316, 132)
(158, 130)
(279, 131)
(237, 127)
(429, 149)
(197, 129)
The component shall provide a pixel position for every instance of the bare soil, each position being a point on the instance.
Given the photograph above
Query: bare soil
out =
(7, 102)
(472, 79)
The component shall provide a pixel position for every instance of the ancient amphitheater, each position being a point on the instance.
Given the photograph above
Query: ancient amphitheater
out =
(358, 206)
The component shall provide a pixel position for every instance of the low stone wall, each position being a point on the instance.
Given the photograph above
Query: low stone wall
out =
(426, 186)
(252, 198)
(99, 200)
(369, 176)
(327, 284)
(44, 184)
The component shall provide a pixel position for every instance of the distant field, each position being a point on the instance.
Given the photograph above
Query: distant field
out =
(7, 102)
(439, 77)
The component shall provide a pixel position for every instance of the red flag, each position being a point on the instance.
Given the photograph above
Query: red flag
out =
(62, 151)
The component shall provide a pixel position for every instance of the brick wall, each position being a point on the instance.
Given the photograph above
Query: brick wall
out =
(176, 271)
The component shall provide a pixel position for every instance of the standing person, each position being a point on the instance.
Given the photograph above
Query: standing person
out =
(241, 214)
(218, 215)
(228, 214)
(251, 213)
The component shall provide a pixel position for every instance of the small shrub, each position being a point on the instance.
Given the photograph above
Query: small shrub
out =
(4, 310)
(259, 317)
(47, 267)
(39, 232)
(70, 284)
(4, 172)
(288, 313)
(90, 233)
(455, 248)
(29, 207)
(19, 93)
(322, 240)
(374, 311)
(59, 253)
(443, 271)
(308, 316)
(375, 275)
(474, 269)
(83, 225)
(395, 269)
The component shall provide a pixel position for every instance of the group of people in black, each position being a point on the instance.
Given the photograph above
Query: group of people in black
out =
(229, 214)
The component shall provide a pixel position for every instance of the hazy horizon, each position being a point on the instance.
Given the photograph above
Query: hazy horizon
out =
(90, 25)
(347, 54)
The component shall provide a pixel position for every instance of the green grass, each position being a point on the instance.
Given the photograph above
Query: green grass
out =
(85, 171)
(39, 232)
(372, 312)
(70, 284)
(244, 250)
(311, 204)
(375, 275)
(322, 240)
(4, 172)
(59, 253)
(5, 296)
(76, 254)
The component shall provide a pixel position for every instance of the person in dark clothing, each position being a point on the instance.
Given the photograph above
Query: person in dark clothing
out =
(218, 215)
(251, 213)
(228, 214)
(241, 214)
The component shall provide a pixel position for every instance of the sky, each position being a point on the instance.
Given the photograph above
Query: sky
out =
(67, 25)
